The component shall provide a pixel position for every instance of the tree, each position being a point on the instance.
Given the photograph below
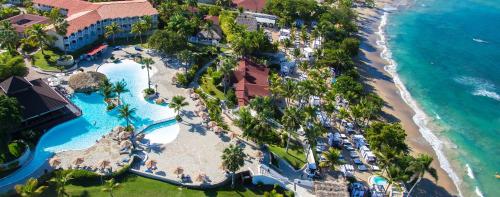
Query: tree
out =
(8, 36)
(233, 158)
(223, 3)
(226, 68)
(60, 180)
(395, 174)
(146, 64)
(381, 134)
(140, 27)
(30, 188)
(10, 118)
(120, 87)
(167, 41)
(37, 36)
(186, 57)
(291, 122)
(332, 157)
(126, 112)
(178, 102)
(110, 185)
(111, 30)
(192, 3)
(420, 166)
(12, 66)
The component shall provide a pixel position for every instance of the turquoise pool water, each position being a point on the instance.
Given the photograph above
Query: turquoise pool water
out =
(378, 180)
(95, 122)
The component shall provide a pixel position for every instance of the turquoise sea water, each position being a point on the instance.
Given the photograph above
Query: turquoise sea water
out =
(82, 132)
(448, 57)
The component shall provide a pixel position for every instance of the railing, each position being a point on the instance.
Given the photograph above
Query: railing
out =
(141, 130)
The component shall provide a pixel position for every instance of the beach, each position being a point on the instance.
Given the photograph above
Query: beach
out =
(377, 79)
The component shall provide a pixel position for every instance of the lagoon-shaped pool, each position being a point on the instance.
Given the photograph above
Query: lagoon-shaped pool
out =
(95, 122)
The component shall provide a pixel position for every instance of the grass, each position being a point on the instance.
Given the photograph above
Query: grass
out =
(133, 185)
(46, 61)
(295, 156)
(209, 87)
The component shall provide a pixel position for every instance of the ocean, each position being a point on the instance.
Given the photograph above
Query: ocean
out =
(445, 56)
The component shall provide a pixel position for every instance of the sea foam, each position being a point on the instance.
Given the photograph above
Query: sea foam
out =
(420, 118)
(482, 87)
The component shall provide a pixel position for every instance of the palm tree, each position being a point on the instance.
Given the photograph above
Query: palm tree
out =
(177, 104)
(420, 166)
(126, 112)
(395, 174)
(146, 64)
(112, 30)
(60, 181)
(120, 87)
(30, 188)
(291, 122)
(233, 158)
(226, 68)
(8, 36)
(36, 35)
(110, 186)
(192, 3)
(139, 27)
(332, 157)
(185, 56)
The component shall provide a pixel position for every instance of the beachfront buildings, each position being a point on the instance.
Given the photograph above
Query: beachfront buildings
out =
(87, 20)
(250, 80)
(42, 106)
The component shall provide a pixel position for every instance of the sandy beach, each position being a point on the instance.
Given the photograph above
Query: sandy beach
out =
(371, 68)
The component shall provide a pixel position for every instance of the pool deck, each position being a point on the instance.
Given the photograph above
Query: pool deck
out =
(196, 149)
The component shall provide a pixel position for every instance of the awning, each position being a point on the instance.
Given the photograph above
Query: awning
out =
(97, 49)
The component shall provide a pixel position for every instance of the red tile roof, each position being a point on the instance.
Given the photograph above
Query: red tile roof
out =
(81, 14)
(251, 80)
(252, 5)
(214, 19)
(23, 21)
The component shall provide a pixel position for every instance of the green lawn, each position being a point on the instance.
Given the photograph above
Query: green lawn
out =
(133, 185)
(295, 156)
(47, 61)
(209, 87)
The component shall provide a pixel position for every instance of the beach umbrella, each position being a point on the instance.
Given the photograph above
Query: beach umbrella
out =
(201, 177)
(191, 91)
(259, 154)
(124, 135)
(54, 162)
(178, 170)
(103, 164)
(78, 161)
(125, 144)
(212, 124)
(233, 134)
(151, 164)
(205, 117)
(202, 108)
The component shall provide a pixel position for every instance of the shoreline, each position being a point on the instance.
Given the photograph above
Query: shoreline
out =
(378, 75)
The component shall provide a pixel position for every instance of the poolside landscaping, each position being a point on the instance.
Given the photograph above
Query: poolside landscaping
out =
(133, 185)
(47, 60)
(295, 155)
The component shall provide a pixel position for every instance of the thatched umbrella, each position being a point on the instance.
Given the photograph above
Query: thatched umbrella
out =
(125, 144)
(104, 163)
(212, 124)
(78, 161)
(178, 170)
(191, 91)
(151, 164)
(124, 135)
(259, 154)
(202, 108)
(232, 135)
(205, 117)
(201, 177)
(54, 162)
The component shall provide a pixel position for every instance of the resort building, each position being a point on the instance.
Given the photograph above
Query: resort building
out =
(87, 20)
(250, 5)
(211, 36)
(23, 21)
(42, 106)
(250, 80)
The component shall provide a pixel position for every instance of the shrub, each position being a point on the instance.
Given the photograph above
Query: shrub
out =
(16, 149)
(149, 91)
(13, 165)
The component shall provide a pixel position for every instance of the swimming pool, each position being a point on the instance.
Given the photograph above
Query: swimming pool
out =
(95, 122)
(378, 180)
